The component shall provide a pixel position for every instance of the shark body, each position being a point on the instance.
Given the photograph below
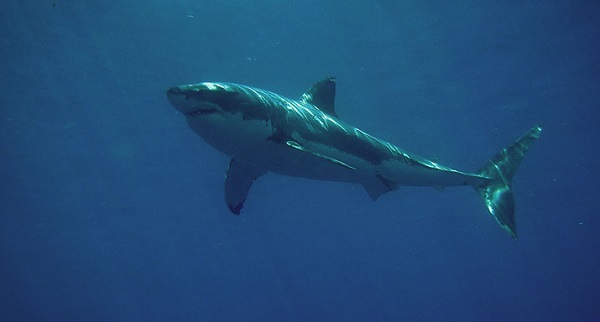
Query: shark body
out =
(265, 132)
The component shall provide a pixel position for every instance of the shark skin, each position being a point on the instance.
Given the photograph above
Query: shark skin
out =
(265, 132)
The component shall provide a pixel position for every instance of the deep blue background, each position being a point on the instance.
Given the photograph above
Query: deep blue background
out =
(112, 208)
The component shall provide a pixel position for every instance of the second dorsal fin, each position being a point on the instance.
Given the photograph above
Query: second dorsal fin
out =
(322, 95)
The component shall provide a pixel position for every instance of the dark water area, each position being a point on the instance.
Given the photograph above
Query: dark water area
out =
(111, 208)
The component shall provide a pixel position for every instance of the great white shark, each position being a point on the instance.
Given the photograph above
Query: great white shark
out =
(265, 132)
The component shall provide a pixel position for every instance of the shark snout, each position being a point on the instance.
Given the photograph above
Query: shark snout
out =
(179, 99)
(174, 91)
(191, 102)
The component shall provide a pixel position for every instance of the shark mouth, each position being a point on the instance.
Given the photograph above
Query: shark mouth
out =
(201, 112)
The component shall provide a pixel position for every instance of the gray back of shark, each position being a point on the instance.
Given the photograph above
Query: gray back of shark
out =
(262, 131)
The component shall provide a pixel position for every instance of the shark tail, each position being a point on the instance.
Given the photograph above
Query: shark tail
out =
(496, 192)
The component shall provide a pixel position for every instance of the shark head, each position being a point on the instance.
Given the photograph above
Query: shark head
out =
(201, 100)
(213, 100)
(232, 118)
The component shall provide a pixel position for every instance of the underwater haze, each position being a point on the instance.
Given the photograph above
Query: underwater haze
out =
(112, 208)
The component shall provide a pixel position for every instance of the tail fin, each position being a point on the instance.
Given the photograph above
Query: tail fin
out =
(496, 192)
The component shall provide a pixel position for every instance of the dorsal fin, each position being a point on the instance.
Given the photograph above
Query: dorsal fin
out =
(322, 95)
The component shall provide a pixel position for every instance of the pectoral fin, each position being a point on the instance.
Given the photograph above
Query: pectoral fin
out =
(238, 181)
(378, 186)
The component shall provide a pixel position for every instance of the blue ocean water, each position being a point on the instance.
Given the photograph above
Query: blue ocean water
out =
(112, 208)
